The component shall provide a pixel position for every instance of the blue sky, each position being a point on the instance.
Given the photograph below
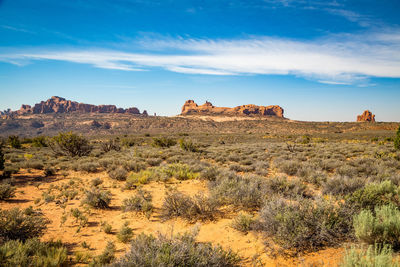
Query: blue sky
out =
(319, 60)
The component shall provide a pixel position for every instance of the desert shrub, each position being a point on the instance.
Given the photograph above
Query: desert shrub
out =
(397, 139)
(82, 257)
(89, 167)
(364, 166)
(98, 198)
(373, 195)
(16, 224)
(106, 162)
(141, 201)
(209, 174)
(381, 226)
(39, 141)
(303, 224)
(96, 181)
(125, 234)
(49, 171)
(163, 142)
(6, 191)
(180, 250)
(47, 197)
(79, 217)
(154, 161)
(107, 228)
(9, 170)
(342, 185)
(180, 171)
(14, 158)
(290, 167)
(188, 145)
(288, 188)
(135, 166)
(177, 204)
(329, 164)
(245, 192)
(34, 164)
(33, 253)
(128, 142)
(2, 160)
(106, 257)
(142, 177)
(241, 168)
(119, 174)
(305, 139)
(373, 256)
(316, 178)
(347, 170)
(261, 168)
(112, 144)
(243, 222)
(70, 144)
(14, 141)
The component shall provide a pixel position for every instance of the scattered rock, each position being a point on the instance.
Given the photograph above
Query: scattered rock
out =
(366, 116)
(191, 108)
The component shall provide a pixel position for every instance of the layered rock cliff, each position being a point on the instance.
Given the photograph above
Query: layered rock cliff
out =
(366, 116)
(191, 108)
(60, 105)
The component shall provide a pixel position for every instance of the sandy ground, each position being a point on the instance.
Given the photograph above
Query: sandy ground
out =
(250, 246)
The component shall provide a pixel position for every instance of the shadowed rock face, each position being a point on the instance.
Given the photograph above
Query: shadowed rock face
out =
(60, 105)
(366, 116)
(191, 108)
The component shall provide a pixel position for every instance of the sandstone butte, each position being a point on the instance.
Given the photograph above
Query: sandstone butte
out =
(366, 116)
(60, 105)
(191, 108)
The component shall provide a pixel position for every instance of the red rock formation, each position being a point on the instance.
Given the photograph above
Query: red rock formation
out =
(190, 108)
(366, 116)
(60, 105)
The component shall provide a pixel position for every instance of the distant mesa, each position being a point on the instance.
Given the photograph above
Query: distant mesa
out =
(366, 116)
(191, 108)
(60, 105)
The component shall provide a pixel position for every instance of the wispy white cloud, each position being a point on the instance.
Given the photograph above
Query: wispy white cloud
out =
(352, 16)
(16, 29)
(335, 83)
(342, 59)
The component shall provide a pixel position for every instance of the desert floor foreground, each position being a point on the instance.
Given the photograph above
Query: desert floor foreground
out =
(248, 245)
(266, 167)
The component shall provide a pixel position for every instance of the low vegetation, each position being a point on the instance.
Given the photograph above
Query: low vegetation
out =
(372, 256)
(180, 250)
(17, 224)
(199, 207)
(6, 191)
(397, 140)
(296, 193)
(70, 144)
(33, 253)
(381, 226)
(303, 225)
(139, 202)
(98, 198)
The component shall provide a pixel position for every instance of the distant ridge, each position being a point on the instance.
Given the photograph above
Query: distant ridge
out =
(191, 108)
(57, 104)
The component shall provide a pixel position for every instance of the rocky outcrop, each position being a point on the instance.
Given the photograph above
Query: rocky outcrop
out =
(60, 105)
(366, 116)
(191, 108)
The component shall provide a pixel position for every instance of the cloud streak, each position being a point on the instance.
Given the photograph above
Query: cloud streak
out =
(336, 59)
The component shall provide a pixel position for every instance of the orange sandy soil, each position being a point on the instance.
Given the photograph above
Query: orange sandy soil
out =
(250, 246)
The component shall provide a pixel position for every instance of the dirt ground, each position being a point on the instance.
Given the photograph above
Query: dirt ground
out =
(250, 246)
